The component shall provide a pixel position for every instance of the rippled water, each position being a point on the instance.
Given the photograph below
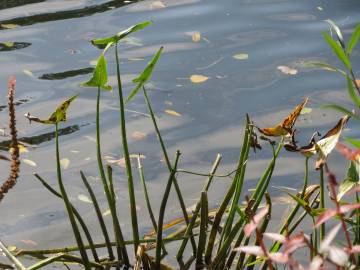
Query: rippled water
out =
(47, 49)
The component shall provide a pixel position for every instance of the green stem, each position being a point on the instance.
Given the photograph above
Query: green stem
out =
(134, 221)
(76, 214)
(159, 240)
(168, 164)
(99, 215)
(189, 228)
(121, 249)
(68, 204)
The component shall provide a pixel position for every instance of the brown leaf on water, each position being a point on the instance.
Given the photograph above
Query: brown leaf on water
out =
(285, 127)
(138, 135)
(287, 70)
(196, 78)
(173, 113)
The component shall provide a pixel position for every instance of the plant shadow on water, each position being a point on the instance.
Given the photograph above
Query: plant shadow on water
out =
(231, 235)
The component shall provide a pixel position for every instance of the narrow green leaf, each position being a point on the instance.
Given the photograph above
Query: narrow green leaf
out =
(326, 67)
(338, 51)
(102, 42)
(99, 77)
(46, 261)
(145, 75)
(354, 39)
(354, 142)
(341, 109)
(338, 33)
(352, 92)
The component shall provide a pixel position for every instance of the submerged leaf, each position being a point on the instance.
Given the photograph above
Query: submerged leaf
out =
(115, 38)
(198, 78)
(100, 76)
(57, 116)
(285, 127)
(145, 75)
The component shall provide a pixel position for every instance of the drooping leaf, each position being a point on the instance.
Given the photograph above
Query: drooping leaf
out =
(326, 67)
(285, 127)
(102, 42)
(354, 39)
(338, 50)
(338, 33)
(341, 109)
(100, 76)
(198, 78)
(328, 142)
(57, 116)
(145, 75)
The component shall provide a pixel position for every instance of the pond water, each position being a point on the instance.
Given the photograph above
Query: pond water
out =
(45, 44)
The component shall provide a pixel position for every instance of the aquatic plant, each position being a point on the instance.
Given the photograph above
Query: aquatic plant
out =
(231, 236)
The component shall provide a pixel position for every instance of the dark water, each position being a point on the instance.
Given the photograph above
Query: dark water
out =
(47, 49)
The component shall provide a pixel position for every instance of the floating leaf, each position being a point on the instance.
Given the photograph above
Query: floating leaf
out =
(285, 127)
(198, 78)
(100, 76)
(157, 5)
(57, 116)
(196, 36)
(114, 39)
(9, 43)
(241, 56)
(173, 113)
(106, 212)
(9, 25)
(145, 75)
(28, 72)
(84, 198)
(287, 70)
(137, 135)
(22, 148)
(306, 110)
(320, 8)
(29, 162)
(65, 162)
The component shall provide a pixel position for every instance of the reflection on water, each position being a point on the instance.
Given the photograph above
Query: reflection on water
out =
(64, 15)
(11, 46)
(66, 74)
(38, 139)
